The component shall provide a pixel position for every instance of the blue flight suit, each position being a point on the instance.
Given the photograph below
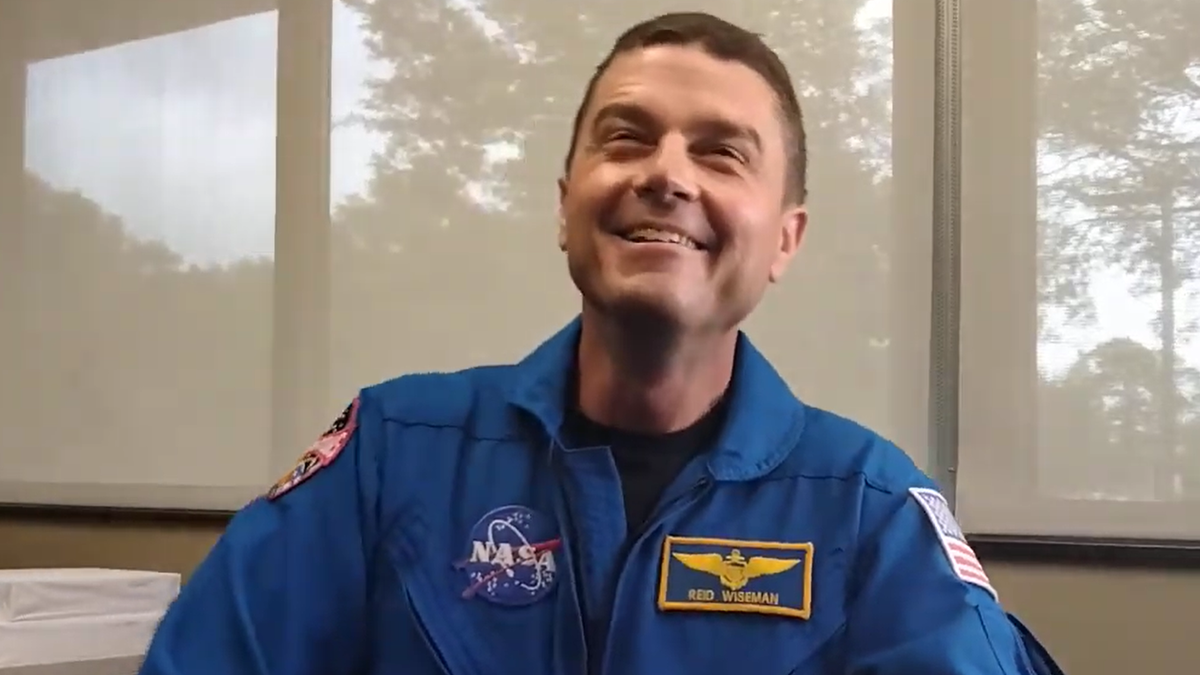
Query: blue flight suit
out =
(447, 531)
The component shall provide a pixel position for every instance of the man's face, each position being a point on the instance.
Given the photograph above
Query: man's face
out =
(674, 204)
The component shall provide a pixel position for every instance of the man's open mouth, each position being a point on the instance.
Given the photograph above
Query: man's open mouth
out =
(644, 235)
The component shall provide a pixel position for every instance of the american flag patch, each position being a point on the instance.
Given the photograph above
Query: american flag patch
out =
(962, 557)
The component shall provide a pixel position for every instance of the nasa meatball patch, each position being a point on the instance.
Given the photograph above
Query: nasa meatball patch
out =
(962, 557)
(320, 454)
(510, 558)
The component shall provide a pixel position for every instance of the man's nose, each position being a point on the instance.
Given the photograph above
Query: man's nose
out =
(668, 176)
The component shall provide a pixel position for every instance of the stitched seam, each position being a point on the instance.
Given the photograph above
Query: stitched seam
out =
(459, 427)
(866, 479)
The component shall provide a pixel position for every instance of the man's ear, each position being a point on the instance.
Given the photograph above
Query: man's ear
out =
(792, 224)
(562, 221)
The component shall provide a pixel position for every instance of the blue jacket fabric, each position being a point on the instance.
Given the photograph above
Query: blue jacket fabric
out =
(441, 528)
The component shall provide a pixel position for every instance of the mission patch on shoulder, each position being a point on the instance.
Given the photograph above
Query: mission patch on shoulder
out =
(320, 454)
(962, 557)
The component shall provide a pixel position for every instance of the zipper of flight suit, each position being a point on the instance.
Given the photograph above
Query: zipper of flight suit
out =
(426, 638)
(676, 504)
(566, 533)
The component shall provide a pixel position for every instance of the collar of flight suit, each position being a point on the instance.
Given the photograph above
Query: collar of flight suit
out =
(763, 424)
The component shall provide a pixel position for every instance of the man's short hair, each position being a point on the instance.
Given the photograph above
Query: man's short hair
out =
(728, 42)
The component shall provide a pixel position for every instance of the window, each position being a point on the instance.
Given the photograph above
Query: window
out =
(137, 219)
(1081, 228)
(220, 220)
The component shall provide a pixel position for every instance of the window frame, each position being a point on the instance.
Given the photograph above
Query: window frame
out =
(929, 41)
(301, 289)
(995, 122)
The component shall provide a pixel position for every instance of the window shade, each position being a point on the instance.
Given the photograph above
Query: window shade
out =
(1081, 210)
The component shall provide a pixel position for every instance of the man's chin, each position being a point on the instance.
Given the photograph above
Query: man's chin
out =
(651, 298)
(656, 308)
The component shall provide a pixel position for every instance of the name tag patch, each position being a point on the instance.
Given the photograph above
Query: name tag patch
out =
(703, 574)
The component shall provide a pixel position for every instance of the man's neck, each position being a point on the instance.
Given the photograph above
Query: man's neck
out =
(640, 384)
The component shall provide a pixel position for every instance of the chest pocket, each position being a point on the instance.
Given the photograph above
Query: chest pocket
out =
(498, 603)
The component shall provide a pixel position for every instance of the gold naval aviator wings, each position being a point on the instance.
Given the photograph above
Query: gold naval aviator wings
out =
(734, 570)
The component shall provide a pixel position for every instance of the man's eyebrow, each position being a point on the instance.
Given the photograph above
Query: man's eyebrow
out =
(718, 127)
(623, 111)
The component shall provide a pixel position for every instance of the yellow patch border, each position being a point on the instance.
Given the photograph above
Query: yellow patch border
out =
(666, 605)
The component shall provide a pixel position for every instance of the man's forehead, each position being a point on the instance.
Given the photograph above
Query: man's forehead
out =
(683, 81)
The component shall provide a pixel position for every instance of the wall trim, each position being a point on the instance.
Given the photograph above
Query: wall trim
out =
(1157, 554)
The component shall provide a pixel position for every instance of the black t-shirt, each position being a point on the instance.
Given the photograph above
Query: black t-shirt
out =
(646, 463)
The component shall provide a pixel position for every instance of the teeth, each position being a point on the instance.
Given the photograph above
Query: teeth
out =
(651, 234)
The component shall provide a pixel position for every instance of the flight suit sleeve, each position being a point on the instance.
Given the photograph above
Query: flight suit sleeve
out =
(922, 603)
(284, 591)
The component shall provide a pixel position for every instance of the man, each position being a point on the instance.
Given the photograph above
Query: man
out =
(642, 494)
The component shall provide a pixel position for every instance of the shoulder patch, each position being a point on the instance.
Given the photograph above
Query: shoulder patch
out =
(320, 454)
(962, 557)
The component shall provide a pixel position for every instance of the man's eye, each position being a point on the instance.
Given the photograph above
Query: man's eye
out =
(622, 135)
(729, 152)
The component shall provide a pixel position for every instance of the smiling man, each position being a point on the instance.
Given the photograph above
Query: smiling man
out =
(642, 494)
